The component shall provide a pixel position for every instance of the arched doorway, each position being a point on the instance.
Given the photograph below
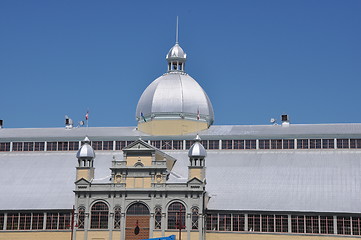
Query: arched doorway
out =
(137, 222)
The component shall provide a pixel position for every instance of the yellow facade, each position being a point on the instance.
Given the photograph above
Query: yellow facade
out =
(98, 235)
(263, 236)
(33, 235)
(196, 173)
(87, 174)
(104, 235)
(145, 160)
(172, 127)
(138, 182)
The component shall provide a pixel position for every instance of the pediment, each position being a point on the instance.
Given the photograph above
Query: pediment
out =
(139, 145)
(195, 181)
(82, 181)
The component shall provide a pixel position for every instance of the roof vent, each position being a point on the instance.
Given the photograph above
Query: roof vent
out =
(1, 123)
(285, 120)
(68, 122)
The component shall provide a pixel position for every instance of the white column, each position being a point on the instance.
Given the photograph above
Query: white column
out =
(44, 221)
(164, 222)
(151, 225)
(5, 221)
(122, 225)
(246, 222)
(289, 223)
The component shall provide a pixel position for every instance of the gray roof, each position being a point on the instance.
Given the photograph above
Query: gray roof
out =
(197, 149)
(260, 180)
(176, 52)
(288, 180)
(86, 151)
(43, 180)
(175, 95)
(214, 132)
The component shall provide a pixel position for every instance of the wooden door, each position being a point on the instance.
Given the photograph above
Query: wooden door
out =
(137, 222)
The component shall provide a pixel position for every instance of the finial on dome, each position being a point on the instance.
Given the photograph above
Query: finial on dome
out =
(176, 33)
(197, 138)
(86, 140)
(176, 57)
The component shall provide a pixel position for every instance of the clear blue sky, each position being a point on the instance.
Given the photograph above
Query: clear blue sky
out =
(255, 59)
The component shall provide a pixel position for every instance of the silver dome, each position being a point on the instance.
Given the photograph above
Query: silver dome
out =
(197, 149)
(176, 52)
(85, 151)
(175, 95)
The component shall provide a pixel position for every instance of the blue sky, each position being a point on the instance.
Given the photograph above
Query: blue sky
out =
(255, 59)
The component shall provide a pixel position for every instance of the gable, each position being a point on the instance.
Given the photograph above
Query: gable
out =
(139, 145)
(82, 181)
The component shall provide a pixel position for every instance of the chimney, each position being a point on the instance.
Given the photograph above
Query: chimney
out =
(68, 122)
(285, 120)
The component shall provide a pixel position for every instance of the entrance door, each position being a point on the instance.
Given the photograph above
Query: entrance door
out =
(137, 222)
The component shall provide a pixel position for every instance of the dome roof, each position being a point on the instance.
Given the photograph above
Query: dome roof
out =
(86, 151)
(175, 95)
(197, 149)
(176, 52)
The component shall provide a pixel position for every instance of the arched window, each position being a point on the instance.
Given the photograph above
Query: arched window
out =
(99, 216)
(158, 218)
(117, 217)
(138, 209)
(176, 216)
(81, 217)
(195, 215)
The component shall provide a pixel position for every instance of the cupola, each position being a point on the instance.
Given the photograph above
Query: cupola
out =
(176, 58)
(86, 151)
(197, 150)
(197, 162)
(85, 157)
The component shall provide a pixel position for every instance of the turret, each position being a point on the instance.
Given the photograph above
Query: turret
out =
(85, 157)
(197, 155)
(176, 58)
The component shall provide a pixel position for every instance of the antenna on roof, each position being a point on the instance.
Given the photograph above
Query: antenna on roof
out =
(176, 32)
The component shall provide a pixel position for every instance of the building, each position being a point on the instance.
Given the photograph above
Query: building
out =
(286, 181)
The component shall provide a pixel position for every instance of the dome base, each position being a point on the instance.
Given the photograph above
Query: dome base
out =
(171, 127)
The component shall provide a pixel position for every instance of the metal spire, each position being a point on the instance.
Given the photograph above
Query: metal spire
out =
(176, 34)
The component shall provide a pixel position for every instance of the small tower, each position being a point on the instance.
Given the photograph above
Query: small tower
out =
(85, 157)
(176, 58)
(197, 154)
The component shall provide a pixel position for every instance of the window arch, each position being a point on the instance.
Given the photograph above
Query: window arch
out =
(117, 217)
(195, 215)
(176, 216)
(99, 216)
(138, 164)
(81, 217)
(158, 218)
(138, 209)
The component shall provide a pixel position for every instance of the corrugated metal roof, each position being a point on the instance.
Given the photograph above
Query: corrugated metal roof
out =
(172, 95)
(267, 180)
(214, 132)
(288, 180)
